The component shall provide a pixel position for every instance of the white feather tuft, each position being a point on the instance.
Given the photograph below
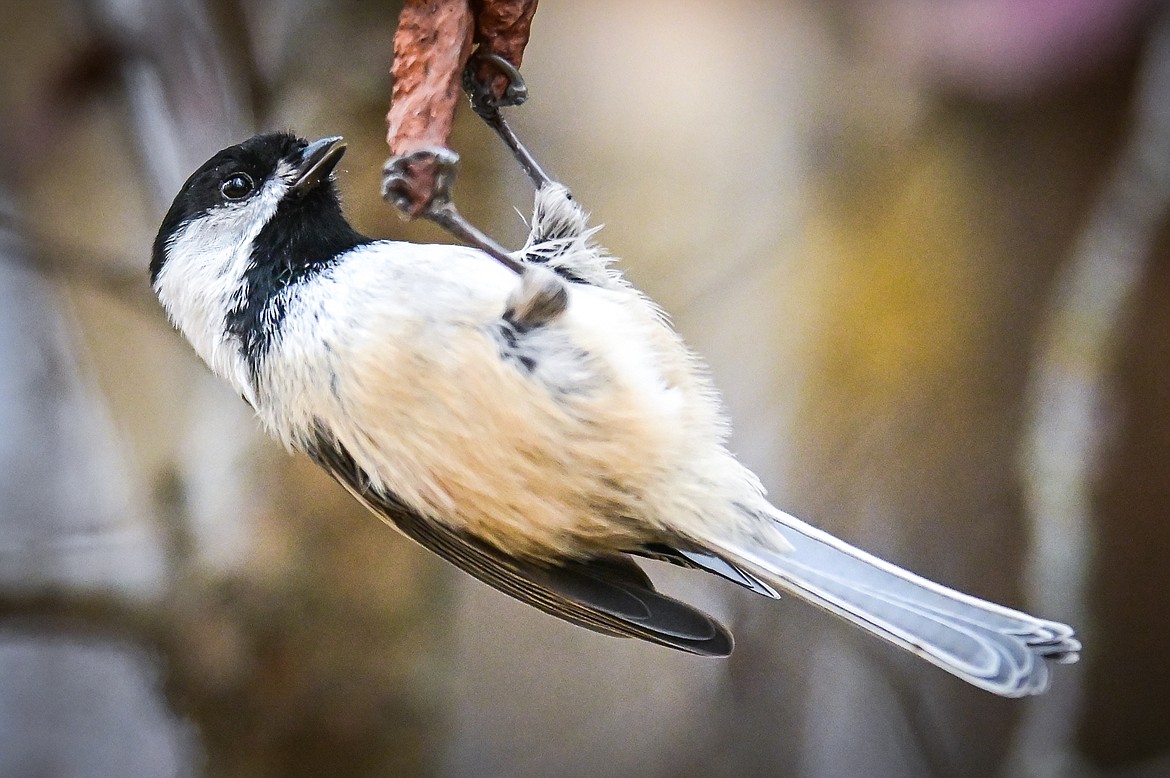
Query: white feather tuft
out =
(561, 238)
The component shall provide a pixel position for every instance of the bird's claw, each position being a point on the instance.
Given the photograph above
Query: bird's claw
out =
(402, 187)
(487, 104)
(483, 98)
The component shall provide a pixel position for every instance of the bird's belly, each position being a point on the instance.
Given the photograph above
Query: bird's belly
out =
(478, 441)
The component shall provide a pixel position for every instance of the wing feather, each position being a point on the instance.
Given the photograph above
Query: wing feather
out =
(608, 594)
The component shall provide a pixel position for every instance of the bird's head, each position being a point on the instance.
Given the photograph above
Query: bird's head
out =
(251, 221)
(269, 181)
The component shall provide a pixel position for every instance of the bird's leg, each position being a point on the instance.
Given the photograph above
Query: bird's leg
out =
(397, 181)
(487, 106)
(541, 295)
(540, 298)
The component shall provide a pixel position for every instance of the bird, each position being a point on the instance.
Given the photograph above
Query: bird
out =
(540, 426)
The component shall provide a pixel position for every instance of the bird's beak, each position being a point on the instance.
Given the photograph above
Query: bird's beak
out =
(315, 162)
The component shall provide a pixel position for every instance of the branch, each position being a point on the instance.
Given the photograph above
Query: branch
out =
(431, 49)
(502, 28)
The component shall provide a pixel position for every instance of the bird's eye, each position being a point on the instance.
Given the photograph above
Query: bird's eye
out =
(237, 186)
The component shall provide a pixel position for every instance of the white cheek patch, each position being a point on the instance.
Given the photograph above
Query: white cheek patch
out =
(204, 276)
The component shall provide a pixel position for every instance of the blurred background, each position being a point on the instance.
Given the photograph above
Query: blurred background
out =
(923, 244)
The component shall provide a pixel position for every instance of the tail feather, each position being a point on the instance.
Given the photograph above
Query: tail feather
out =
(993, 647)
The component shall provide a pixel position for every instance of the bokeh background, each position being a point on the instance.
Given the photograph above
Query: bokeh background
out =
(923, 244)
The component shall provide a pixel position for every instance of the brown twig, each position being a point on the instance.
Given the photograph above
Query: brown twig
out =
(502, 28)
(431, 48)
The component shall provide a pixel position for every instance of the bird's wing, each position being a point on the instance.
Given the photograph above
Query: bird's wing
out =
(609, 594)
(699, 559)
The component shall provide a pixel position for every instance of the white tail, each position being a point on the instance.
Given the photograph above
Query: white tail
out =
(993, 647)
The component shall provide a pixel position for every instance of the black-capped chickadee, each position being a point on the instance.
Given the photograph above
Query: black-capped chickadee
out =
(536, 430)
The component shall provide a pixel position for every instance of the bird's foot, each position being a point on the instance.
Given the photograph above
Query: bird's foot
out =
(404, 180)
(487, 104)
(540, 298)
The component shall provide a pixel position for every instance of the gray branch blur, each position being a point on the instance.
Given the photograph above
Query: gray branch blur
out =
(1073, 395)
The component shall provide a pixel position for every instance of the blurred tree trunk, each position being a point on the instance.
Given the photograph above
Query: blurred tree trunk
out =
(70, 704)
(1126, 719)
(934, 255)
